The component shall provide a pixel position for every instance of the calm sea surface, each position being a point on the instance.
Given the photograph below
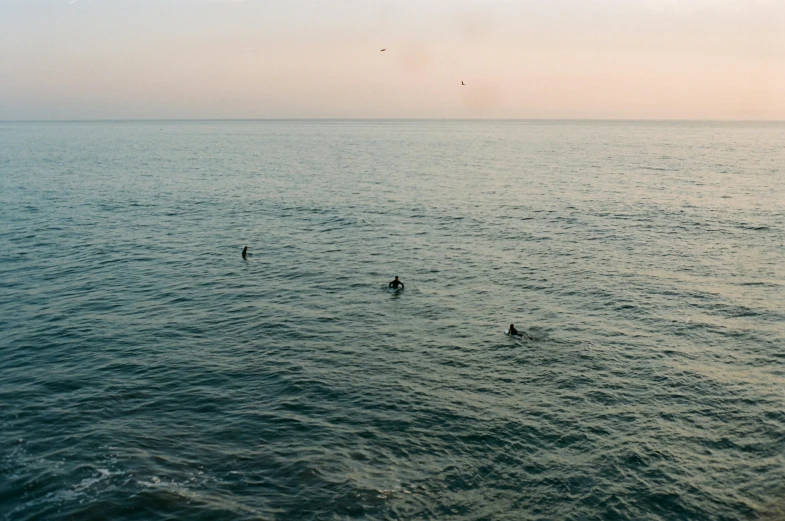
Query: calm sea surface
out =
(148, 372)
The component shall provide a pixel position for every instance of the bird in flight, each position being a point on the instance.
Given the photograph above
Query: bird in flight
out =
(383, 50)
(462, 83)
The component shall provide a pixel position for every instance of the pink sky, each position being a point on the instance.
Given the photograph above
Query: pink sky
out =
(614, 59)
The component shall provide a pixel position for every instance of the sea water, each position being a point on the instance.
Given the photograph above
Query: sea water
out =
(149, 372)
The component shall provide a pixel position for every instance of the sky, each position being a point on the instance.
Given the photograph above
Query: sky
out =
(531, 59)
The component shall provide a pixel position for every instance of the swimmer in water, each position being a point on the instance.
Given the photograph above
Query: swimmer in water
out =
(394, 284)
(513, 331)
(245, 252)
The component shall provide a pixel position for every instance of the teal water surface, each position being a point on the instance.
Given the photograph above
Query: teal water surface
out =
(149, 372)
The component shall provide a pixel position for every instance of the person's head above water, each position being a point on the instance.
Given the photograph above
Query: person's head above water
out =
(396, 277)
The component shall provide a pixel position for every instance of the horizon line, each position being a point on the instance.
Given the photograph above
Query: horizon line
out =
(327, 119)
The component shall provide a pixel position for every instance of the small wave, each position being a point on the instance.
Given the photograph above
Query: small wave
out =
(754, 227)
(761, 284)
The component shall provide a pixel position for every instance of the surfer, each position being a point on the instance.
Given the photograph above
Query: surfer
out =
(245, 252)
(513, 331)
(394, 284)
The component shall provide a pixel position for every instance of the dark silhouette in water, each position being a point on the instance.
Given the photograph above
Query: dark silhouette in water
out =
(394, 284)
(523, 334)
(245, 252)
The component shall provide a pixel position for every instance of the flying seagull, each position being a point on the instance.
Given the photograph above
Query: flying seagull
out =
(383, 50)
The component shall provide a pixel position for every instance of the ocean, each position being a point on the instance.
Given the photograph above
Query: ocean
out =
(149, 372)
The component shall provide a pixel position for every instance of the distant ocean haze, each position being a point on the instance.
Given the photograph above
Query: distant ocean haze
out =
(148, 370)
